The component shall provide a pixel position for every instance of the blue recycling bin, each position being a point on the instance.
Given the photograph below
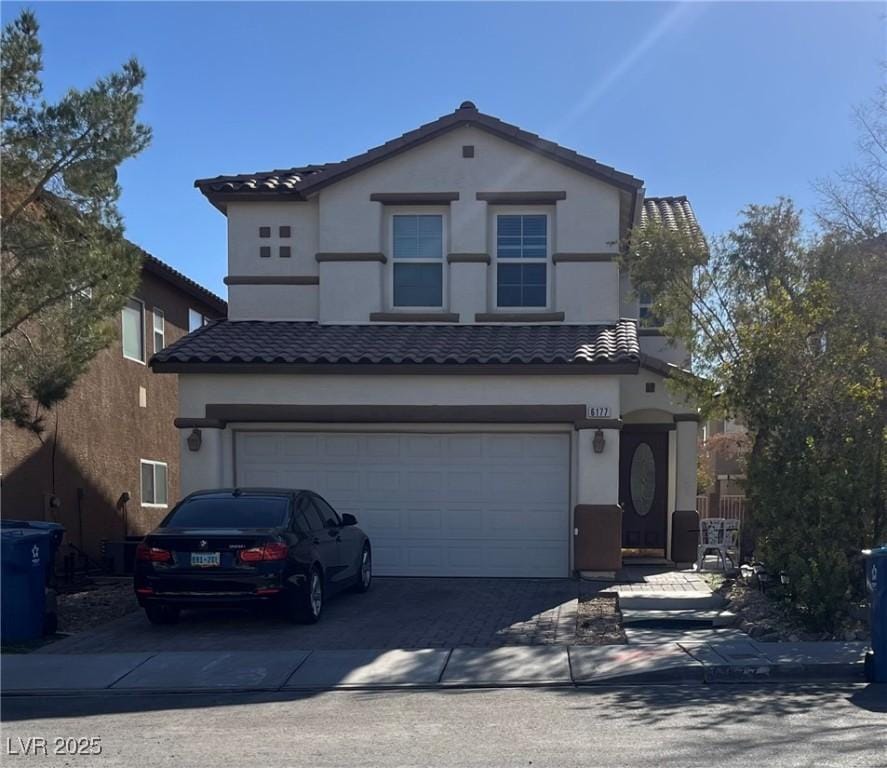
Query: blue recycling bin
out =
(876, 582)
(23, 556)
(56, 532)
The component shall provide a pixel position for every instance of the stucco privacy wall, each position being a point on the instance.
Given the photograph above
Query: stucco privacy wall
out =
(343, 219)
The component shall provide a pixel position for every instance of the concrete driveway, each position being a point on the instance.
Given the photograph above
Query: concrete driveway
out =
(396, 613)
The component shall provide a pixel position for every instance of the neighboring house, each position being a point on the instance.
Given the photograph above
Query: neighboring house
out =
(114, 433)
(435, 336)
(724, 442)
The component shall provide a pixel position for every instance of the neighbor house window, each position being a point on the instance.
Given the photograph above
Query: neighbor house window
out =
(195, 320)
(645, 311)
(522, 260)
(133, 330)
(153, 483)
(159, 330)
(418, 261)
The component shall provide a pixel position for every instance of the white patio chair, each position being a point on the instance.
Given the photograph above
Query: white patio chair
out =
(721, 536)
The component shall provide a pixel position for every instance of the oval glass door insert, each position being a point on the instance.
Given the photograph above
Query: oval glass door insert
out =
(642, 479)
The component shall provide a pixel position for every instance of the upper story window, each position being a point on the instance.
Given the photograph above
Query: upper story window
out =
(196, 320)
(646, 317)
(417, 253)
(132, 330)
(522, 260)
(159, 330)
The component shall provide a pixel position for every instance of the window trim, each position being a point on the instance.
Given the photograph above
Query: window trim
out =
(143, 331)
(158, 314)
(152, 463)
(412, 211)
(549, 271)
(650, 321)
(203, 319)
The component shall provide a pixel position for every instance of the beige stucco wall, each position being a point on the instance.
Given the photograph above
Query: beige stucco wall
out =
(195, 391)
(343, 219)
(273, 302)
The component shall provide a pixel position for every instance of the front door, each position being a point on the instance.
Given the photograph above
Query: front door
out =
(643, 492)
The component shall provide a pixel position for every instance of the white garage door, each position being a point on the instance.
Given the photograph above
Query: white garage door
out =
(451, 504)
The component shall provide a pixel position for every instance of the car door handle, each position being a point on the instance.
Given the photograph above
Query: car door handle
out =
(316, 540)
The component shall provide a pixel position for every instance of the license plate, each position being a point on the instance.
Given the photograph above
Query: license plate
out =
(204, 559)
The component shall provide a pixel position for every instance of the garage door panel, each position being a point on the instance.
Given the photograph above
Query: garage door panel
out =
(433, 505)
(464, 522)
(260, 478)
(297, 446)
(464, 447)
(383, 446)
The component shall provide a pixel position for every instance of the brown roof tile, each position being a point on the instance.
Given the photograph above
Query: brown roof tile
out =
(300, 181)
(308, 343)
(673, 212)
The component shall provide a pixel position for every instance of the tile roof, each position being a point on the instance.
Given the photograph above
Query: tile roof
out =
(244, 342)
(183, 282)
(300, 181)
(673, 212)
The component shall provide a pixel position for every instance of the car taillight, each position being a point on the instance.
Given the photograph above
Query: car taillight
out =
(275, 550)
(152, 554)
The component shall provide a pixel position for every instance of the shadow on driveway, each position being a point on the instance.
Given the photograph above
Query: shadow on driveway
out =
(396, 613)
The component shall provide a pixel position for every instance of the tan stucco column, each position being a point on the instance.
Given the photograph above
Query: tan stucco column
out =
(685, 521)
(597, 518)
(201, 468)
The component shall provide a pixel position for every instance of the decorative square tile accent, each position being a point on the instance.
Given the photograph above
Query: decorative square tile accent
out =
(264, 231)
(285, 252)
(286, 231)
(650, 387)
(265, 251)
(468, 150)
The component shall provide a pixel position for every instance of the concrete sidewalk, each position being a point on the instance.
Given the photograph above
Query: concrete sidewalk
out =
(729, 660)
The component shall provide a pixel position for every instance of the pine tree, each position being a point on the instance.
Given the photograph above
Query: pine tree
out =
(67, 270)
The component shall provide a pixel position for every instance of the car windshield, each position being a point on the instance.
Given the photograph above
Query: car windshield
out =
(229, 512)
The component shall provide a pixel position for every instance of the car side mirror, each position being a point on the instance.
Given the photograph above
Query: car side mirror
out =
(348, 519)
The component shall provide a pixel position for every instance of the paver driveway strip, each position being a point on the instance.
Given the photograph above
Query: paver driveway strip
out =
(396, 613)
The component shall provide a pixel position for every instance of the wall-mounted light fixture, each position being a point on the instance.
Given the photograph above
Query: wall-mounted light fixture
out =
(598, 441)
(195, 439)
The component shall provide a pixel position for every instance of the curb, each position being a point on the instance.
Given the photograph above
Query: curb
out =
(724, 675)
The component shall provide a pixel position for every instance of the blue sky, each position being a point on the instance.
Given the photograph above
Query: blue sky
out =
(726, 103)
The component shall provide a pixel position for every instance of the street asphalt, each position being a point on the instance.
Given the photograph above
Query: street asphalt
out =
(655, 726)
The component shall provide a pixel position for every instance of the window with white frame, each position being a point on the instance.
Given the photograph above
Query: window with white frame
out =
(196, 320)
(417, 255)
(153, 483)
(159, 330)
(522, 260)
(133, 330)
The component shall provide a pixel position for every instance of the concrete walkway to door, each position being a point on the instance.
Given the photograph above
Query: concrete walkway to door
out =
(396, 613)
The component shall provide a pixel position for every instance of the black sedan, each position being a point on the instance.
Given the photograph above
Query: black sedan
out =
(247, 546)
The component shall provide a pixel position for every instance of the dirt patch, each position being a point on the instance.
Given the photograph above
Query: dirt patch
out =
(769, 618)
(599, 620)
(99, 600)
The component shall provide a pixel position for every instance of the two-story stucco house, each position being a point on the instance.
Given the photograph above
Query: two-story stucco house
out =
(435, 335)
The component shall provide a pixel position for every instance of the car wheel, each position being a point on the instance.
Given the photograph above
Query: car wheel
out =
(365, 570)
(309, 603)
(162, 614)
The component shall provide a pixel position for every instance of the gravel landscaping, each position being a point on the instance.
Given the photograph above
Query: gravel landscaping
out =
(599, 621)
(769, 619)
(99, 600)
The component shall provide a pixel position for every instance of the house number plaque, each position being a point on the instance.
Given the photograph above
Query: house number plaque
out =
(597, 412)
